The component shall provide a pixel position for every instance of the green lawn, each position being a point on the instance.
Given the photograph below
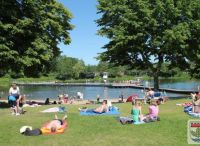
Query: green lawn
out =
(98, 130)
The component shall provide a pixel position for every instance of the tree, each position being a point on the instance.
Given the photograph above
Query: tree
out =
(69, 68)
(30, 31)
(145, 34)
(78, 68)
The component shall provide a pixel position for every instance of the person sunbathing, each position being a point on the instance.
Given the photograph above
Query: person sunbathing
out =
(103, 108)
(56, 123)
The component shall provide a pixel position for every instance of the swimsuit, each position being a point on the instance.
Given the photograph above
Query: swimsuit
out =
(135, 114)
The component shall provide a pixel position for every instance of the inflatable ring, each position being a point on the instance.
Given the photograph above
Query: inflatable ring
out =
(60, 130)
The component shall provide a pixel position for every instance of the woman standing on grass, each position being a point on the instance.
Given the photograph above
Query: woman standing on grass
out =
(14, 91)
(13, 97)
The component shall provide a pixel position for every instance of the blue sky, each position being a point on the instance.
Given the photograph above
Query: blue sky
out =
(85, 43)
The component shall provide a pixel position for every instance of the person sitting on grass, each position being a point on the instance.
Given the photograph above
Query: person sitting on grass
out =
(20, 103)
(196, 103)
(56, 123)
(136, 111)
(103, 108)
(153, 112)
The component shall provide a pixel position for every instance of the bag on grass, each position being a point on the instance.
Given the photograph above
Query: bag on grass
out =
(125, 120)
(33, 132)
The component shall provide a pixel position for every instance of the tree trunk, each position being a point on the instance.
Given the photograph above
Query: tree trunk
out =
(156, 81)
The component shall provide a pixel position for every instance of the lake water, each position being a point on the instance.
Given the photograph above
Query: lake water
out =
(42, 92)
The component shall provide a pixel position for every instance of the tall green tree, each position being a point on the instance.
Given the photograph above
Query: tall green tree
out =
(145, 34)
(30, 31)
(69, 68)
(78, 68)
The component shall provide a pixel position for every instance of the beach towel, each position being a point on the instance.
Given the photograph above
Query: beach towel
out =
(54, 109)
(90, 112)
(184, 104)
(194, 114)
(138, 123)
(46, 130)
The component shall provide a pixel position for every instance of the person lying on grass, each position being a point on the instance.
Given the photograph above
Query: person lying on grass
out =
(103, 108)
(136, 111)
(153, 112)
(56, 123)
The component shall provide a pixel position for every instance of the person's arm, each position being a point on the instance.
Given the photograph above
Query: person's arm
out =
(158, 109)
(56, 117)
(140, 110)
(18, 91)
(150, 110)
(10, 91)
(99, 109)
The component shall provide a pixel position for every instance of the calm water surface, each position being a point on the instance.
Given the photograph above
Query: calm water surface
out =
(42, 92)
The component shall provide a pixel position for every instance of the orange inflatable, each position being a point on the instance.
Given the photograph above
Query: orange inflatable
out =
(60, 130)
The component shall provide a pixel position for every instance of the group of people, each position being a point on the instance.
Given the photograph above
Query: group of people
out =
(195, 102)
(151, 94)
(15, 100)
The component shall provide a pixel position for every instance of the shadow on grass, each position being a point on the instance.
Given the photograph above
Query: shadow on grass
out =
(4, 105)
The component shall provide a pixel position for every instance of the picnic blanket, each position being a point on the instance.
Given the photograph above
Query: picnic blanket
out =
(184, 104)
(90, 112)
(188, 110)
(54, 109)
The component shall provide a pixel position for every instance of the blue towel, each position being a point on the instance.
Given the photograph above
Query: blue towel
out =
(138, 123)
(157, 94)
(194, 114)
(188, 109)
(11, 98)
(90, 112)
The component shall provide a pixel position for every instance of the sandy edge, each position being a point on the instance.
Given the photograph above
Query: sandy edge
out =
(73, 102)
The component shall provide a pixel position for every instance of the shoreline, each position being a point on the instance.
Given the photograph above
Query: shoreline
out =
(83, 101)
(72, 102)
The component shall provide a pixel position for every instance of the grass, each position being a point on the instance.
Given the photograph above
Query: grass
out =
(98, 130)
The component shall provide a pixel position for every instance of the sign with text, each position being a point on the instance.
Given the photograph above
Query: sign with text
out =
(193, 131)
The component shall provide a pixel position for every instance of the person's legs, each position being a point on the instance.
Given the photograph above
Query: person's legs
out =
(56, 117)
(13, 107)
(64, 118)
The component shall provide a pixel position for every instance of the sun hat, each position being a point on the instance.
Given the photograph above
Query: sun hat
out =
(24, 128)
